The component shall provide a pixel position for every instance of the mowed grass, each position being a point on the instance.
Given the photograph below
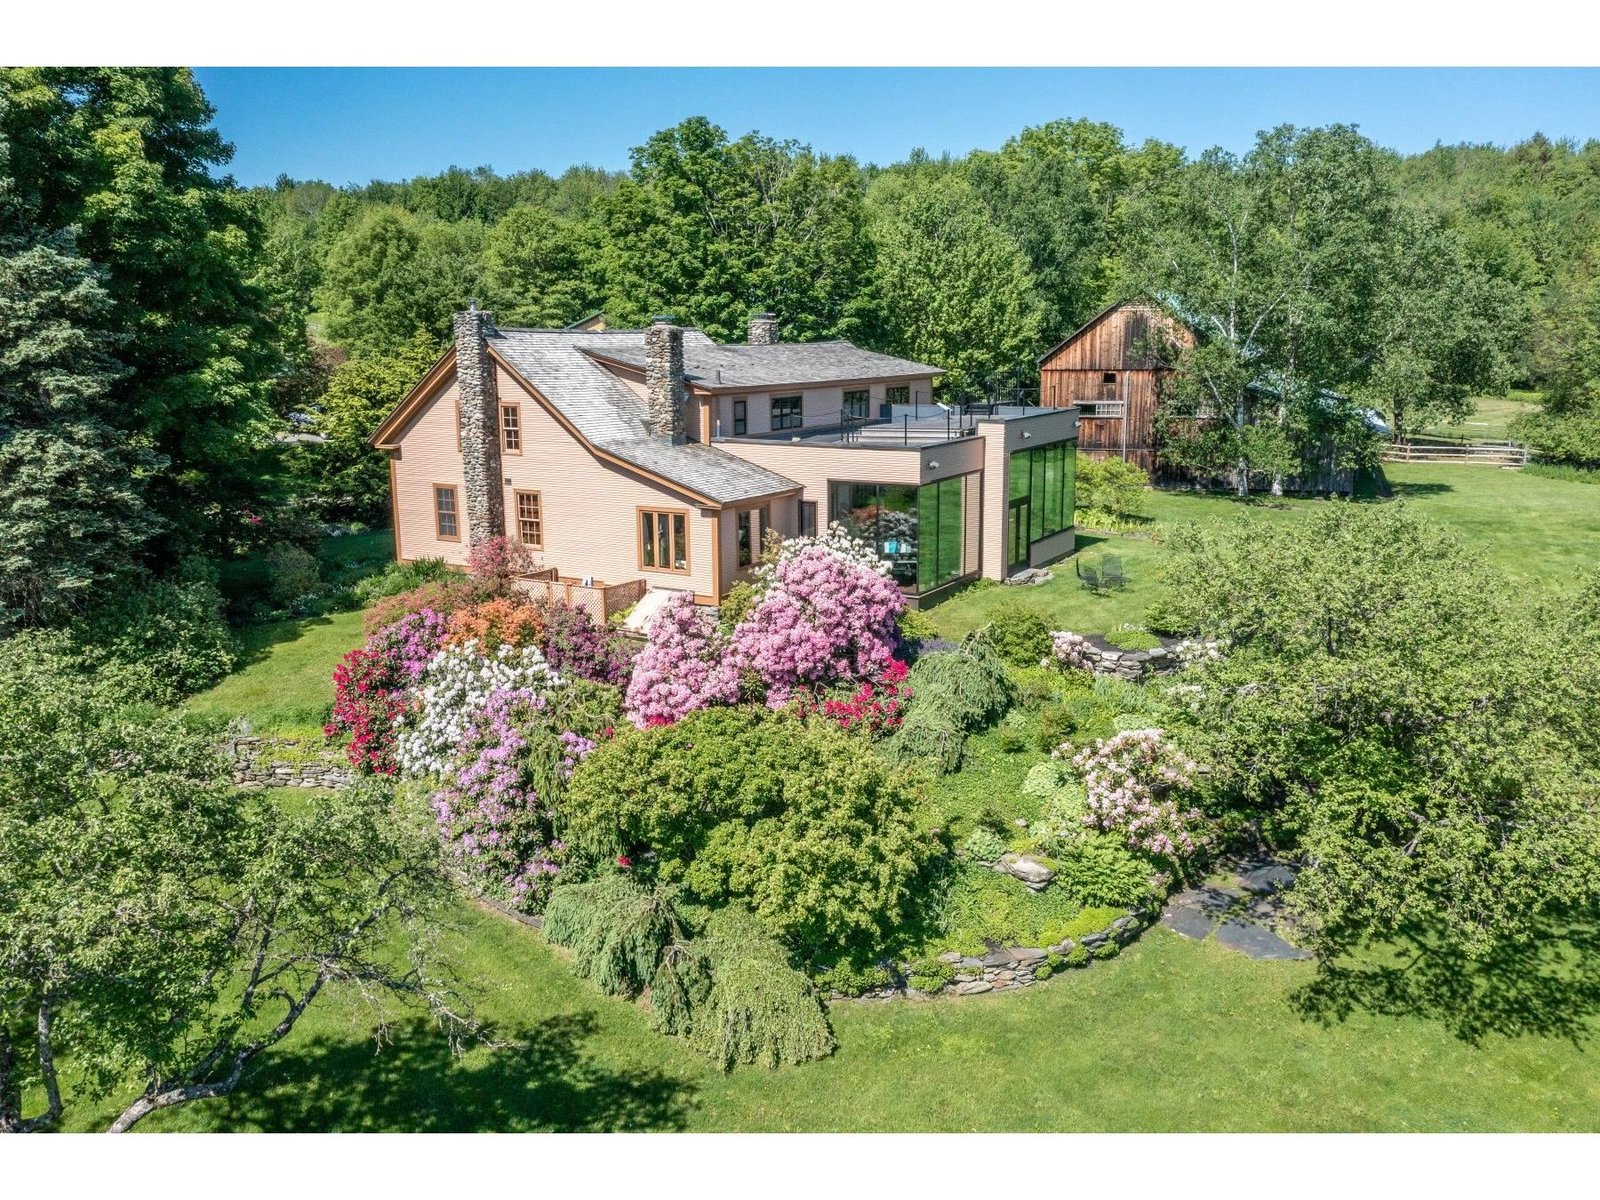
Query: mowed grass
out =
(1172, 1035)
(284, 683)
(1490, 419)
(1540, 532)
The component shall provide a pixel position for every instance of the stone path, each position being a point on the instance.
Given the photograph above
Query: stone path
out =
(1245, 915)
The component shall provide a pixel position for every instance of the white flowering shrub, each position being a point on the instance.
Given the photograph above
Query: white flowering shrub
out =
(454, 689)
(836, 540)
(1192, 651)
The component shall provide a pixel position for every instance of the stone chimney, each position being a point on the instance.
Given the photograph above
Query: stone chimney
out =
(668, 399)
(762, 330)
(484, 501)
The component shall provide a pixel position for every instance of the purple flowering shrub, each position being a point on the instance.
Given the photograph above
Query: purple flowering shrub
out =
(496, 808)
(684, 666)
(578, 648)
(824, 619)
(1135, 782)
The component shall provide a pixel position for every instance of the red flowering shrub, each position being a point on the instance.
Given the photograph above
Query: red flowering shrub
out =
(369, 686)
(876, 707)
(494, 564)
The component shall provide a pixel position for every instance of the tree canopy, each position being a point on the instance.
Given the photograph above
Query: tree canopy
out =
(1409, 722)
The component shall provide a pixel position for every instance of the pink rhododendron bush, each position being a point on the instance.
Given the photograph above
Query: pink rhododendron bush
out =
(825, 615)
(823, 619)
(1136, 783)
(683, 667)
(1068, 650)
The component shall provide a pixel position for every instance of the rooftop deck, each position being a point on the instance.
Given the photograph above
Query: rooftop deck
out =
(908, 427)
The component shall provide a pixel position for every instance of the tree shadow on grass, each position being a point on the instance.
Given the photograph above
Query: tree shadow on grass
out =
(256, 642)
(1547, 988)
(1403, 490)
(545, 1081)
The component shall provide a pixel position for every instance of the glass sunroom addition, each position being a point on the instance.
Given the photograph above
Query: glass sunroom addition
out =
(922, 532)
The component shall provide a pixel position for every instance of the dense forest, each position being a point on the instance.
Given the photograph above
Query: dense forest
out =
(163, 326)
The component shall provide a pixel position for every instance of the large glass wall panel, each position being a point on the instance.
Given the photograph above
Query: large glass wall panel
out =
(920, 531)
(1045, 475)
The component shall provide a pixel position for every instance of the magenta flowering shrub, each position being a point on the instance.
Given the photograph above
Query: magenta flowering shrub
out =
(824, 619)
(580, 649)
(496, 810)
(684, 665)
(1135, 783)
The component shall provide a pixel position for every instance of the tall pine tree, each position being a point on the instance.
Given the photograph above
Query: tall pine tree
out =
(72, 513)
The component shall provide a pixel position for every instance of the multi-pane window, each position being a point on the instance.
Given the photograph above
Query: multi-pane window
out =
(1044, 477)
(741, 417)
(530, 520)
(897, 395)
(749, 523)
(857, 404)
(446, 513)
(786, 412)
(664, 539)
(511, 428)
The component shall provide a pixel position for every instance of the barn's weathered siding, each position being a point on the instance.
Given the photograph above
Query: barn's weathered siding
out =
(1101, 369)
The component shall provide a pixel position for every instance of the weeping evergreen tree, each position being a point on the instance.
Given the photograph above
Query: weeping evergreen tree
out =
(72, 513)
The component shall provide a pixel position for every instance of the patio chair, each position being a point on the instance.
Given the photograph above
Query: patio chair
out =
(1111, 572)
(1090, 577)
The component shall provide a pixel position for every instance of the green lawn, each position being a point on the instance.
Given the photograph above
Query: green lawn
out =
(1539, 531)
(284, 681)
(1490, 418)
(1172, 1035)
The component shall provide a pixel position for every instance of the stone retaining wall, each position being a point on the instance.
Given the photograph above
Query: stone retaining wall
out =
(1009, 968)
(255, 764)
(1130, 664)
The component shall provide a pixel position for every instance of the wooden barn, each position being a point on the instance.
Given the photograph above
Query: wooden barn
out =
(1100, 369)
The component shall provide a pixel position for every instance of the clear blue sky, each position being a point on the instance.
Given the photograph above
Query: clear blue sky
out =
(351, 125)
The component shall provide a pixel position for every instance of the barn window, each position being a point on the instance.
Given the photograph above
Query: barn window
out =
(1109, 377)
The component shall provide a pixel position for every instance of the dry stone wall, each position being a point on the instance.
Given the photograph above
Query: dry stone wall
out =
(1008, 968)
(282, 762)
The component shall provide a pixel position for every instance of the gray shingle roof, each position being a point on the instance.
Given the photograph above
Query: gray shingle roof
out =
(786, 364)
(612, 417)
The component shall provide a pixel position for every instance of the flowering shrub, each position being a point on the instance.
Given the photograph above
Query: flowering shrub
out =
(1192, 651)
(684, 666)
(496, 562)
(495, 623)
(443, 596)
(824, 618)
(456, 685)
(370, 683)
(1133, 782)
(578, 648)
(496, 809)
(1067, 650)
(836, 540)
(876, 706)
